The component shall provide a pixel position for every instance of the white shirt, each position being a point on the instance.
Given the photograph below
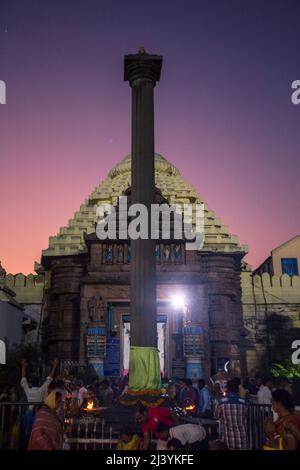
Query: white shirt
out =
(188, 433)
(82, 394)
(35, 394)
(264, 395)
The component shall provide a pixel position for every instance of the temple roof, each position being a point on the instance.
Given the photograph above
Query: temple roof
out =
(70, 240)
(161, 166)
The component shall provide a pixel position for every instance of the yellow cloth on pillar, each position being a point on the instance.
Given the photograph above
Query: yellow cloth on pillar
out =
(144, 368)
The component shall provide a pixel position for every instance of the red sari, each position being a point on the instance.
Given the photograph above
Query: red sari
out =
(47, 431)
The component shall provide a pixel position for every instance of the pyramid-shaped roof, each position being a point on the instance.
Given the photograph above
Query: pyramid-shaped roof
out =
(70, 241)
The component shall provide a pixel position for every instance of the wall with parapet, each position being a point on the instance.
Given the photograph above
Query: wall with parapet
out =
(29, 289)
(271, 310)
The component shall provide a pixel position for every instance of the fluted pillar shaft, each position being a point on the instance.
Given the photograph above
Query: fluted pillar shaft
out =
(142, 71)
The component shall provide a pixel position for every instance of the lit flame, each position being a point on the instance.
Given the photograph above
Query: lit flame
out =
(90, 405)
(190, 407)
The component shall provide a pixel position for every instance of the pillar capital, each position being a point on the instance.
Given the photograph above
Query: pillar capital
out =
(142, 66)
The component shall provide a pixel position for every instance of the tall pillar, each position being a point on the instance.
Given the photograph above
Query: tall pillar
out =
(226, 316)
(142, 70)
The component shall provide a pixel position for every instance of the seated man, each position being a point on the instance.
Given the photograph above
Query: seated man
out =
(191, 436)
(149, 418)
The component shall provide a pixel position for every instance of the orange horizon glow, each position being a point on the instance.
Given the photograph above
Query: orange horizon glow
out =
(223, 112)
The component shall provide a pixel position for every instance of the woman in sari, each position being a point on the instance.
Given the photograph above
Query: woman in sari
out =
(47, 431)
(284, 433)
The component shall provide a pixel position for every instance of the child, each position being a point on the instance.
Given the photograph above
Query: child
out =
(128, 440)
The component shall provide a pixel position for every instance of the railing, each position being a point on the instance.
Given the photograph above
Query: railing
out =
(91, 436)
(16, 421)
(255, 423)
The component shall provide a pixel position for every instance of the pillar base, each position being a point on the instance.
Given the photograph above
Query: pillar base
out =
(144, 378)
(146, 398)
(144, 369)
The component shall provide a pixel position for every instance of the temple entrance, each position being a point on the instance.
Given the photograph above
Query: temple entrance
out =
(161, 342)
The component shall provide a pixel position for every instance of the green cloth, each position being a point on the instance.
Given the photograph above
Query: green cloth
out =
(144, 368)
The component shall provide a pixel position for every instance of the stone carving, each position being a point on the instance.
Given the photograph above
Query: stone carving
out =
(177, 254)
(129, 253)
(120, 253)
(157, 253)
(108, 254)
(96, 308)
(167, 253)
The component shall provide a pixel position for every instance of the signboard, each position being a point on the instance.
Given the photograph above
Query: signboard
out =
(193, 341)
(95, 342)
(178, 369)
(112, 357)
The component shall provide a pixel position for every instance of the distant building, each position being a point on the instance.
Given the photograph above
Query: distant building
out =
(11, 314)
(284, 259)
(271, 306)
(20, 306)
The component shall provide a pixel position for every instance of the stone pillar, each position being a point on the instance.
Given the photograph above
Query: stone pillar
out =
(142, 71)
(62, 323)
(225, 309)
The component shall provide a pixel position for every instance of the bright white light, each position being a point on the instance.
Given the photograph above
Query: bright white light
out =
(178, 301)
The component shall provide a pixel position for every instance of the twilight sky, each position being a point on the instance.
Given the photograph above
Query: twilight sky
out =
(224, 115)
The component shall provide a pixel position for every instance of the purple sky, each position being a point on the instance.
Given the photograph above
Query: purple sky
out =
(224, 115)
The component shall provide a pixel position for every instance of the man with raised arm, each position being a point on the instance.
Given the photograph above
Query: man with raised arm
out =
(36, 393)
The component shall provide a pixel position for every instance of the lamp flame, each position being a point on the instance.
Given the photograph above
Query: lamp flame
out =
(90, 406)
(190, 407)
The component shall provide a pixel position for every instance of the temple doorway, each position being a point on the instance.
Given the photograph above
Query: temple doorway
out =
(161, 343)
